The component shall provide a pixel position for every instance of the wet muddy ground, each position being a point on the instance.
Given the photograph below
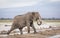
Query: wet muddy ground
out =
(40, 34)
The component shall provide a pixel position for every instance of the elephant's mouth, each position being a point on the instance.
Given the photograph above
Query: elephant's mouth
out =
(39, 22)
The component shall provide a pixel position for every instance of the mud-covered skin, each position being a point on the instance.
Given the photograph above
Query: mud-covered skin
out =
(20, 21)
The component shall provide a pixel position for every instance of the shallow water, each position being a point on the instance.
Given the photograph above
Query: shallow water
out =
(3, 27)
(45, 25)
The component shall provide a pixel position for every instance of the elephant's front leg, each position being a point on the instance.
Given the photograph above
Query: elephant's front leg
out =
(21, 30)
(31, 24)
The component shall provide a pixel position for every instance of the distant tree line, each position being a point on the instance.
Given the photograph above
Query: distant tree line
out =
(42, 18)
(50, 18)
(6, 18)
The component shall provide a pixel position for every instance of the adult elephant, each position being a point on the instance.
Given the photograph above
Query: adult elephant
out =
(20, 21)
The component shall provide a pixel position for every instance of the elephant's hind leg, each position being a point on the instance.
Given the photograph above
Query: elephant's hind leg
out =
(12, 28)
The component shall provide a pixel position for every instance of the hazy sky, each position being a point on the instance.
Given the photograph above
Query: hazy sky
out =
(46, 8)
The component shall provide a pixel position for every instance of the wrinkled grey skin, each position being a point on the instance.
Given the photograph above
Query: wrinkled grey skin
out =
(20, 21)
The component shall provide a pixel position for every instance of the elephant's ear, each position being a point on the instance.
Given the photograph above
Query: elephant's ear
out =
(33, 13)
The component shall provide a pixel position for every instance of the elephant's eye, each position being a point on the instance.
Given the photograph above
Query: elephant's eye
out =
(37, 18)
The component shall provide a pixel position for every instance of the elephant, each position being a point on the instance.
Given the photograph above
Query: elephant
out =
(20, 21)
